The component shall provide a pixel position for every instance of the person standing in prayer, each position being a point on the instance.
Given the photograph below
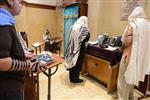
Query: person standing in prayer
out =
(14, 66)
(134, 63)
(79, 35)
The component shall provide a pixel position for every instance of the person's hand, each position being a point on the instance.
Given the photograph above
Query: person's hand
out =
(29, 55)
(42, 66)
(33, 58)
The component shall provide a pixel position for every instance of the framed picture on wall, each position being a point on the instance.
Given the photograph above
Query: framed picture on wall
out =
(128, 6)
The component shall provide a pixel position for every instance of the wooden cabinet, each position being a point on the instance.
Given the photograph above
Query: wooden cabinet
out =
(101, 70)
(30, 88)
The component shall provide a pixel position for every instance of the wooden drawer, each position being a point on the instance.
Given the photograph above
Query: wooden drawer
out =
(101, 70)
(98, 68)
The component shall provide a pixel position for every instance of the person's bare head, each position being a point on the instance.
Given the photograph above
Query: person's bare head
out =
(13, 6)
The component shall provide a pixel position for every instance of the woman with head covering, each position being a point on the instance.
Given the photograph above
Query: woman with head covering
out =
(79, 35)
(134, 63)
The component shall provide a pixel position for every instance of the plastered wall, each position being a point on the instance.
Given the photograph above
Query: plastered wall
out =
(35, 21)
(104, 16)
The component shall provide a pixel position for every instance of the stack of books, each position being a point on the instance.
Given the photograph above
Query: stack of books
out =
(46, 57)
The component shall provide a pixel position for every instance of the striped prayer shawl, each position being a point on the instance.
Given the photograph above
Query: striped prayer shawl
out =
(74, 45)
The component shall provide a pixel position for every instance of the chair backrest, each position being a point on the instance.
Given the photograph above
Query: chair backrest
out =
(25, 37)
(24, 41)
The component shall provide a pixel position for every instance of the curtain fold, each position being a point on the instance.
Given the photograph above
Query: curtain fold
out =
(71, 14)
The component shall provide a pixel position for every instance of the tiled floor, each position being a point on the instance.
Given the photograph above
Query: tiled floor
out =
(62, 89)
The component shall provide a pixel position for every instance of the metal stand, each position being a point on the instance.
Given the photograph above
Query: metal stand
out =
(49, 74)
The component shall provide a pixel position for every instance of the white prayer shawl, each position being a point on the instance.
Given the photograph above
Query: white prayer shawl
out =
(78, 33)
(23, 42)
(139, 63)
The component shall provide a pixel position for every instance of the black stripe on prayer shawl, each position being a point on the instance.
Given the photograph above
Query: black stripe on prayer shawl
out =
(68, 49)
(84, 32)
(69, 37)
(69, 43)
(73, 54)
(78, 49)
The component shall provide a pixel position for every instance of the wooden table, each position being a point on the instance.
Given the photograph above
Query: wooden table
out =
(103, 64)
(101, 70)
(37, 45)
(56, 45)
(58, 61)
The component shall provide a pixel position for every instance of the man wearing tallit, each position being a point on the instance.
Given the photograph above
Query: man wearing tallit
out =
(135, 62)
(78, 37)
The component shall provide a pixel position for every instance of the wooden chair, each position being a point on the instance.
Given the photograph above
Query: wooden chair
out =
(30, 92)
(57, 45)
(25, 38)
(54, 45)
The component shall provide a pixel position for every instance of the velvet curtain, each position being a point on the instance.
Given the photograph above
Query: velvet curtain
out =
(70, 16)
